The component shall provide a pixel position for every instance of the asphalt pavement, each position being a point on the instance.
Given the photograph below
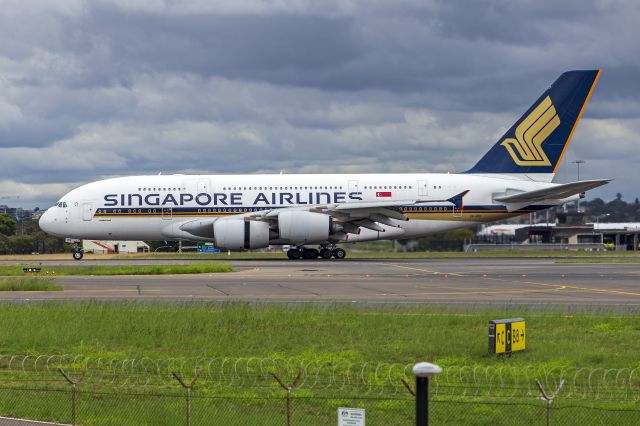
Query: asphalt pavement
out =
(478, 281)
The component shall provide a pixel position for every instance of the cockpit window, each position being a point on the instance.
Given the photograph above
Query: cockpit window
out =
(61, 204)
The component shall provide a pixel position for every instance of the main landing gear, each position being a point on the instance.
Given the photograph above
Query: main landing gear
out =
(325, 252)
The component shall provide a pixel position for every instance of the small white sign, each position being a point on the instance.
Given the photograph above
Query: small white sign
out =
(351, 417)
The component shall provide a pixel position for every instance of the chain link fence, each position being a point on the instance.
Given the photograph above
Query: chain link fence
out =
(285, 391)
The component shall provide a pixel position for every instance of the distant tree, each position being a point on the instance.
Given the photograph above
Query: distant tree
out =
(22, 244)
(453, 240)
(7, 225)
(618, 196)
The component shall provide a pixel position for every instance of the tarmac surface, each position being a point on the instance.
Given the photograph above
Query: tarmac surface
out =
(475, 281)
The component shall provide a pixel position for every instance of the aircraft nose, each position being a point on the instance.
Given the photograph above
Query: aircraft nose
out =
(47, 222)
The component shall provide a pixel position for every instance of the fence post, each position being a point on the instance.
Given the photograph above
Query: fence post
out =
(549, 398)
(288, 388)
(74, 391)
(188, 388)
(423, 371)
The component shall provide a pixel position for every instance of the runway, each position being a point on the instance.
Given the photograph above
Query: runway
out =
(476, 281)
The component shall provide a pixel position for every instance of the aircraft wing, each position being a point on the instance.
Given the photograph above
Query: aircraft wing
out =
(557, 192)
(350, 216)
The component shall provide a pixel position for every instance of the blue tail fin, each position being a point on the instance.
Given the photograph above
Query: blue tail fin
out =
(538, 140)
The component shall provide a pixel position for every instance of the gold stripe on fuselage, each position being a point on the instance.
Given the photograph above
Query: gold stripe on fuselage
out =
(464, 216)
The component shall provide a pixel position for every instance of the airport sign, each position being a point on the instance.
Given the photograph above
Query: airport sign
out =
(351, 417)
(506, 335)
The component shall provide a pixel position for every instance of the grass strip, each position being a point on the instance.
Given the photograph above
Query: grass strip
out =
(28, 284)
(197, 268)
(601, 260)
(453, 335)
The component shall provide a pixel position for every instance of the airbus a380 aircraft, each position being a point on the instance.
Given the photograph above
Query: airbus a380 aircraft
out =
(240, 212)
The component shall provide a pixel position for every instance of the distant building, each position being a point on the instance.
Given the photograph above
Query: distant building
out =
(111, 247)
(568, 230)
(20, 214)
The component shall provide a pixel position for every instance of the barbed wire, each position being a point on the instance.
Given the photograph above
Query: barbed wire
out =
(226, 374)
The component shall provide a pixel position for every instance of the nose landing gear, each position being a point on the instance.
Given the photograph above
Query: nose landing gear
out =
(78, 251)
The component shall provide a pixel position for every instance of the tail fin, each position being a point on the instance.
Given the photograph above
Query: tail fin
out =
(538, 140)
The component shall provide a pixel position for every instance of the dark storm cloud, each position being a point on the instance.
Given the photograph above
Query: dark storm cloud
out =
(102, 88)
(282, 49)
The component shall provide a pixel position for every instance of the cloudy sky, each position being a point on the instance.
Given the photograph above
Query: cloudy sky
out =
(93, 89)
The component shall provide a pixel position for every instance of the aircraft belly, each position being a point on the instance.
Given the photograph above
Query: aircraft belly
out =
(120, 229)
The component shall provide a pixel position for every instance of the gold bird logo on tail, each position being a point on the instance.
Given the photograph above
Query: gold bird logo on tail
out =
(526, 148)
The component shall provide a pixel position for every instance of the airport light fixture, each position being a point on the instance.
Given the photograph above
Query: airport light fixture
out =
(603, 215)
(577, 163)
(423, 371)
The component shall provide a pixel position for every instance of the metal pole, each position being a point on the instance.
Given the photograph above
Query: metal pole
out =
(188, 387)
(422, 401)
(289, 406)
(577, 163)
(549, 398)
(423, 371)
(74, 391)
(188, 406)
(73, 404)
(288, 388)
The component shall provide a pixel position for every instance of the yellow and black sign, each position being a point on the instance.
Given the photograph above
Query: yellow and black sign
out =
(506, 335)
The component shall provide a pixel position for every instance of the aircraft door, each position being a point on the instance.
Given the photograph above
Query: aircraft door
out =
(203, 186)
(353, 186)
(197, 186)
(87, 211)
(422, 188)
(167, 213)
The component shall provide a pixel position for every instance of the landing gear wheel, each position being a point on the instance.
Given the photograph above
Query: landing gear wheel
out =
(294, 254)
(78, 254)
(339, 253)
(311, 253)
(325, 253)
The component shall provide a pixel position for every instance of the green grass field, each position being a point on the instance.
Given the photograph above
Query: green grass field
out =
(353, 332)
(203, 268)
(332, 335)
(635, 260)
(28, 284)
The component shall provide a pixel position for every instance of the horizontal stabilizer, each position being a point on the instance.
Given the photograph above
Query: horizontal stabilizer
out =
(557, 192)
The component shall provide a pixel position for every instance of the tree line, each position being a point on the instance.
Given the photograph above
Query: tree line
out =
(616, 210)
(26, 237)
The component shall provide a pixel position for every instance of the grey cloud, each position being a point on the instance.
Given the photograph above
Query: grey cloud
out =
(113, 88)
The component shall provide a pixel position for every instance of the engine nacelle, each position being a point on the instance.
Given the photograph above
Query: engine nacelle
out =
(300, 227)
(239, 234)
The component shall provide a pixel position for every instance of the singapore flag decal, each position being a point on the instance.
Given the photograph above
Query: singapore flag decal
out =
(383, 194)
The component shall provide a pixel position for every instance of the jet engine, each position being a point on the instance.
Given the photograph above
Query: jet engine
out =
(301, 227)
(238, 234)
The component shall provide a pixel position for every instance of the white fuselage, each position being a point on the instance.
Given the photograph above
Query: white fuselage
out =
(155, 207)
